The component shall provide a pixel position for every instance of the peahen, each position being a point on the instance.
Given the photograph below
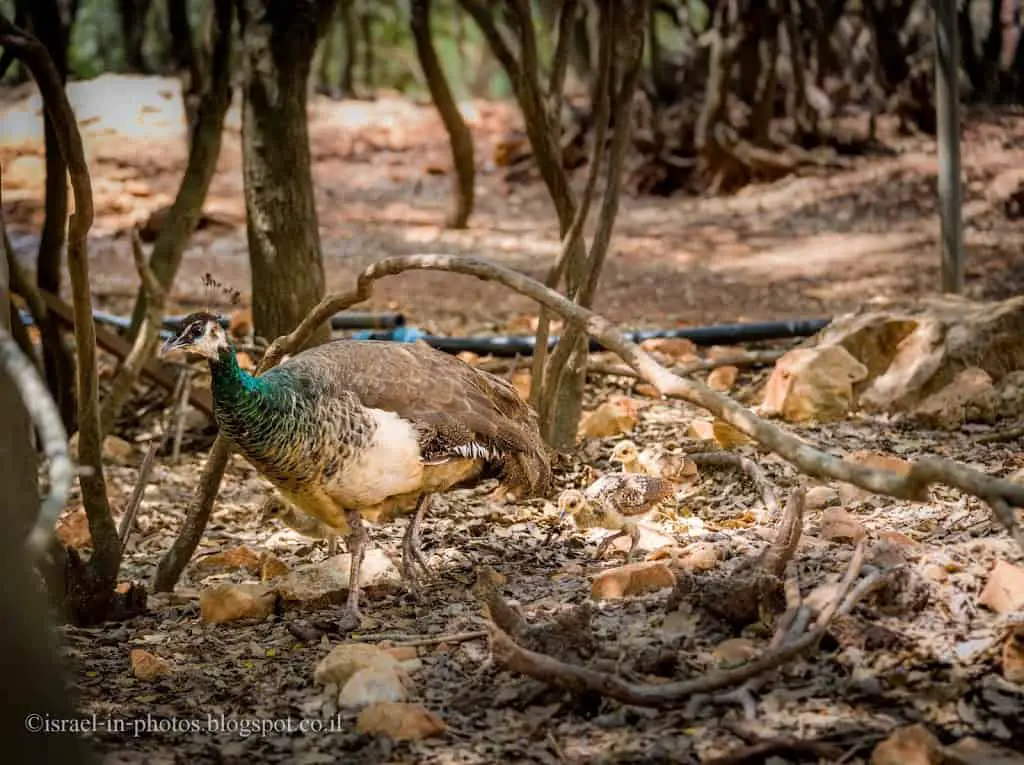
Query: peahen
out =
(362, 429)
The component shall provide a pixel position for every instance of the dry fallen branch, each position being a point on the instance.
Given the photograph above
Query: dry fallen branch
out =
(579, 679)
(152, 295)
(174, 416)
(749, 468)
(54, 438)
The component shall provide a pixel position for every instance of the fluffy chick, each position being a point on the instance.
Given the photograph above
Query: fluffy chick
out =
(656, 462)
(275, 508)
(616, 501)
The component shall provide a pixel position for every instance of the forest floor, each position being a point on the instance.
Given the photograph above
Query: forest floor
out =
(809, 246)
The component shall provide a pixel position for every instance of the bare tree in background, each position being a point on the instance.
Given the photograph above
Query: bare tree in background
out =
(558, 380)
(281, 220)
(133, 31)
(459, 137)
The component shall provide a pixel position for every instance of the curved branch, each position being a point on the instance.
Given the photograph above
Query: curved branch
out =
(1000, 494)
(46, 418)
(33, 54)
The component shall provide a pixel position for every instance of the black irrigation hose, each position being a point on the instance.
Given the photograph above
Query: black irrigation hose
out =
(508, 346)
(718, 334)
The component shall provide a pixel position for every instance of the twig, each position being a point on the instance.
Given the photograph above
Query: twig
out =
(179, 414)
(175, 416)
(572, 241)
(408, 641)
(1001, 435)
(143, 348)
(578, 679)
(132, 508)
(560, 61)
(749, 468)
(105, 560)
(43, 411)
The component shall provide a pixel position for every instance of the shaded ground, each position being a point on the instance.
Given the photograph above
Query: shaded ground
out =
(806, 246)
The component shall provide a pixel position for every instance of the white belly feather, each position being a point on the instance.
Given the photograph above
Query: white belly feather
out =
(389, 466)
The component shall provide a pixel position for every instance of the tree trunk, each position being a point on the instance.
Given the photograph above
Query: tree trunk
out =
(350, 29)
(764, 102)
(181, 222)
(324, 57)
(183, 52)
(459, 137)
(58, 363)
(366, 35)
(133, 31)
(284, 240)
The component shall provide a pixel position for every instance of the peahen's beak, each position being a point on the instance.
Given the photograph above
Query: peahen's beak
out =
(171, 345)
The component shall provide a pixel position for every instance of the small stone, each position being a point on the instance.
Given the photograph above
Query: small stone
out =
(401, 722)
(348, 658)
(228, 602)
(376, 683)
(1004, 590)
(632, 579)
(837, 525)
(147, 666)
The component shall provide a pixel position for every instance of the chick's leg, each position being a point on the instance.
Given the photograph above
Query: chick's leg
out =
(603, 547)
(411, 552)
(634, 536)
(357, 548)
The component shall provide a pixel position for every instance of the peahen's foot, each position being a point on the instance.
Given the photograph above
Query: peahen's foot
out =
(411, 552)
(349, 620)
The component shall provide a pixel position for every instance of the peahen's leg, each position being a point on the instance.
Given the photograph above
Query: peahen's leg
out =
(411, 552)
(356, 541)
(332, 545)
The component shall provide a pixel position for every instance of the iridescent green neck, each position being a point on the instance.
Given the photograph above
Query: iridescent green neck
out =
(231, 383)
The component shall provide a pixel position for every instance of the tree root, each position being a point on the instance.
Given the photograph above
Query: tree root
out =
(792, 639)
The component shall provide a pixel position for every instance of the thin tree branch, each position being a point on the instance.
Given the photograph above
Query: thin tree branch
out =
(560, 61)
(573, 237)
(106, 557)
(1001, 494)
(153, 296)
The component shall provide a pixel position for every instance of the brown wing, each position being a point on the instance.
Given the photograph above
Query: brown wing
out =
(629, 493)
(458, 410)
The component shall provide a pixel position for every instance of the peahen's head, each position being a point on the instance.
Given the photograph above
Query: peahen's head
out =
(200, 333)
